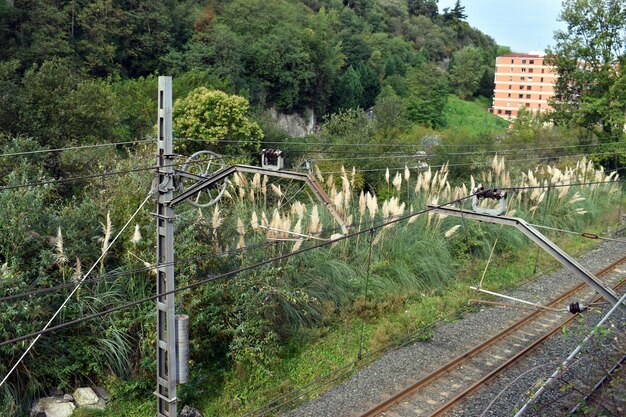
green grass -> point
(472, 115)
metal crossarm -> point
(545, 243)
(222, 174)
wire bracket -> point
(491, 194)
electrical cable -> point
(345, 370)
(583, 234)
(116, 275)
(73, 148)
(226, 274)
(443, 154)
(139, 270)
(147, 168)
(399, 145)
(101, 175)
(71, 294)
(469, 163)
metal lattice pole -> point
(166, 330)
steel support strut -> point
(545, 243)
(223, 173)
(166, 330)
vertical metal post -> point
(166, 327)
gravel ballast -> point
(398, 368)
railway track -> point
(439, 391)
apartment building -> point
(522, 81)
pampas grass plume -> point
(136, 235)
(452, 230)
(60, 250)
(216, 219)
(254, 221)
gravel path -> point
(398, 368)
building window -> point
(530, 79)
(529, 87)
(541, 79)
(531, 62)
(511, 78)
(540, 97)
(530, 70)
(520, 104)
(509, 86)
(523, 61)
(521, 96)
(507, 112)
(508, 104)
(512, 61)
(539, 105)
(509, 95)
(541, 87)
(511, 69)
(542, 70)
(527, 104)
(521, 87)
(528, 96)
(523, 69)
(522, 78)
(499, 111)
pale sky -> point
(524, 25)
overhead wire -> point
(229, 157)
(399, 145)
(139, 270)
(115, 275)
(395, 156)
(102, 174)
(582, 234)
(483, 152)
(74, 148)
(347, 369)
(227, 274)
(456, 164)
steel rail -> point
(391, 401)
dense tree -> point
(389, 115)
(455, 18)
(589, 56)
(466, 71)
(214, 116)
(69, 109)
(428, 90)
(348, 92)
(105, 36)
(426, 8)
(456, 14)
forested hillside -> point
(383, 79)
(291, 55)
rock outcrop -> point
(53, 407)
(190, 412)
(63, 405)
(294, 124)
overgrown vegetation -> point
(378, 73)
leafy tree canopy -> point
(589, 56)
(426, 8)
(213, 116)
(466, 71)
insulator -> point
(274, 153)
(491, 193)
(576, 307)
(182, 348)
